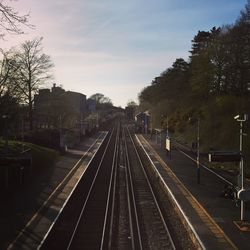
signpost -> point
(168, 146)
(224, 156)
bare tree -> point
(10, 20)
(34, 71)
(8, 69)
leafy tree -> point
(176, 79)
(245, 14)
(132, 103)
(169, 85)
(200, 43)
(202, 68)
(240, 51)
(219, 61)
(147, 95)
(101, 100)
(212, 85)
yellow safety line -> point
(214, 227)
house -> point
(91, 104)
(59, 109)
(130, 112)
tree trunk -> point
(30, 116)
(30, 111)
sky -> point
(117, 47)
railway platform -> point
(212, 216)
(48, 195)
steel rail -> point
(73, 191)
(152, 191)
(172, 196)
(131, 195)
(89, 192)
(66, 179)
(111, 197)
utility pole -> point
(60, 132)
(6, 144)
(167, 126)
(198, 150)
(241, 120)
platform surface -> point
(213, 216)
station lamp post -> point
(167, 128)
(5, 118)
(161, 137)
(162, 119)
(198, 149)
(241, 119)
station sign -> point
(168, 144)
(224, 156)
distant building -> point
(142, 120)
(78, 102)
(130, 112)
(57, 108)
(91, 104)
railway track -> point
(38, 223)
(84, 220)
(115, 206)
(114, 185)
(147, 225)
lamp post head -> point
(236, 117)
(241, 118)
(248, 86)
(5, 116)
(192, 119)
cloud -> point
(116, 46)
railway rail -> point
(148, 227)
(119, 202)
(55, 199)
(90, 219)
(83, 221)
